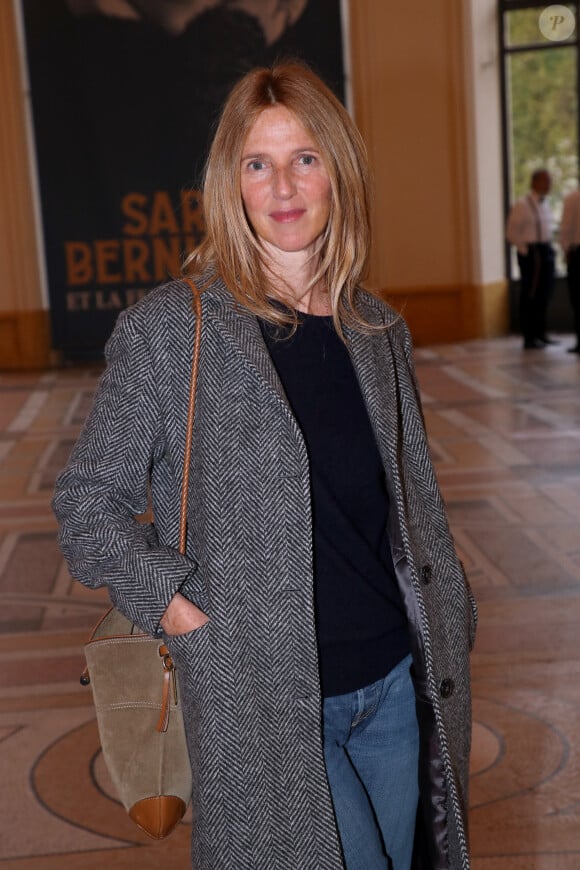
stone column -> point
(24, 320)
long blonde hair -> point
(230, 248)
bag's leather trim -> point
(158, 815)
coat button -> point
(426, 574)
(446, 688)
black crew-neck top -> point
(361, 624)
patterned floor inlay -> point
(505, 434)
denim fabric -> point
(371, 749)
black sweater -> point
(361, 624)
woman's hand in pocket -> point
(182, 616)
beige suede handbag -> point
(135, 691)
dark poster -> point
(124, 97)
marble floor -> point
(505, 433)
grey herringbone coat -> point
(249, 677)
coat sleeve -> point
(106, 484)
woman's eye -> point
(255, 165)
(307, 159)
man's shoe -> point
(574, 349)
(545, 340)
(534, 344)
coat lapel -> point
(240, 328)
(375, 365)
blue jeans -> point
(371, 750)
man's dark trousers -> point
(537, 281)
(574, 287)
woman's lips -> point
(287, 217)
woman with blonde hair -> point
(321, 622)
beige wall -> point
(414, 77)
(426, 96)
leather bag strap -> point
(196, 306)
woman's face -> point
(285, 186)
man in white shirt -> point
(570, 244)
(529, 229)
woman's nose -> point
(284, 186)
